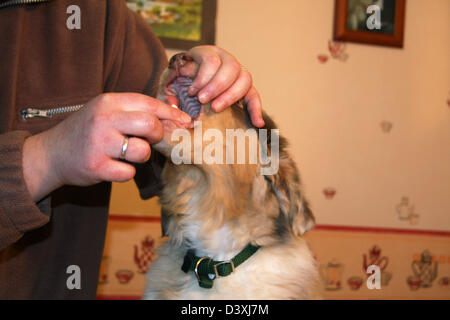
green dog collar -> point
(203, 267)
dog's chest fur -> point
(218, 209)
(285, 271)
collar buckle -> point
(198, 263)
(230, 262)
(206, 271)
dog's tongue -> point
(185, 103)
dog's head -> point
(213, 177)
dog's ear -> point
(295, 214)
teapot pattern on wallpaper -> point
(144, 254)
(337, 51)
(414, 263)
(406, 211)
(406, 269)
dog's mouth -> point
(176, 91)
(173, 90)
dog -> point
(233, 233)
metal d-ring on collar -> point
(197, 264)
(215, 268)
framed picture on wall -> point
(377, 22)
(180, 24)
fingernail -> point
(192, 91)
(217, 105)
(203, 97)
(185, 118)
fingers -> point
(138, 123)
(116, 171)
(218, 71)
(140, 102)
(97, 134)
(221, 77)
(234, 93)
(254, 106)
(209, 62)
(137, 150)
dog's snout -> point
(179, 60)
(173, 61)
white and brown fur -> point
(218, 209)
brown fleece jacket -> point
(43, 64)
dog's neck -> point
(220, 244)
(211, 213)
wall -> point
(370, 133)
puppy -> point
(234, 233)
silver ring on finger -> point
(123, 151)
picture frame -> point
(179, 24)
(352, 19)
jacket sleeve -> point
(138, 62)
(18, 212)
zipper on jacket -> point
(48, 113)
(20, 2)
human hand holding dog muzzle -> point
(220, 79)
(85, 148)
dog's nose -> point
(179, 60)
(173, 60)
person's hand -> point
(221, 79)
(85, 148)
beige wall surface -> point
(332, 113)
(342, 255)
(370, 132)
